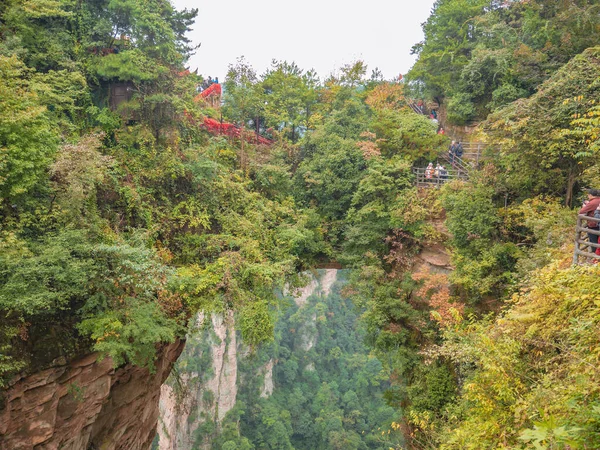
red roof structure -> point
(225, 128)
(215, 127)
(213, 89)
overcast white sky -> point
(318, 34)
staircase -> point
(416, 108)
(457, 168)
(473, 151)
(461, 167)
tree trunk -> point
(242, 155)
(257, 129)
(571, 180)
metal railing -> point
(423, 180)
(473, 151)
(419, 109)
(458, 164)
(582, 246)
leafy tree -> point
(289, 97)
(505, 401)
(450, 37)
(373, 204)
(541, 154)
(401, 132)
(124, 234)
(480, 55)
(26, 136)
(331, 177)
(353, 74)
(243, 99)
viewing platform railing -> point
(473, 151)
(421, 179)
(582, 246)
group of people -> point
(208, 81)
(433, 116)
(438, 172)
(591, 208)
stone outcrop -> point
(327, 281)
(307, 332)
(324, 282)
(301, 295)
(268, 386)
(434, 257)
(202, 400)
(85, 403)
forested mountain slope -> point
(480, 55)
(119, 221)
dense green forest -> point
(327, 395)
(327, 390)
(480, 55)
(119, 224)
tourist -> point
(458, 149)
(451, 152)
(429, 171)
(589, 209)
(443, 173)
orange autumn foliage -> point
(368, 146)
(386, 96)
(435, 287)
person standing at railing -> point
(429, 171)
(443, 173)
(452, 152)
(589, 209)
(458, 150)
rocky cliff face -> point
(434, 257)
(307, 334)
(85, 404)
(200, 399)
(268, 386)
(193, 406)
